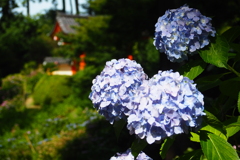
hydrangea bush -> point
(182, 31)
(170, 103)
(128, 156)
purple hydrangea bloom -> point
(182, 31)
(166, 105)
(128, 156)
(113, 88)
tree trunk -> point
(63, 6)
(77, 7)
(6, 11)
(28, 8)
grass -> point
(39, 133)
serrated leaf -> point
(216, 53)
(192, 69)
(214, 124)
(165, 147)
(137, 146)
(194, 137)
(214, 131)
(214, 147)
(237, 124)
(232, 33)
(118, 126)
(238, 102)
(208, 82)
(230, 87)
(194, 155)
(232, 126)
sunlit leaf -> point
(165, 147)
(194, 137)
(214, 125)
(192, 69)
(232, 126)
(214, 147)
(216, 53)
(214, 131)
(239, 102)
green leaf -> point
(238, 102)
(118, 126)
(216, 53)
(232, 126)
(214, 125)
(214, 131)
(236, 47)
(232, 33)
(237, 124)
(208, 82)
(230, 87)
(165, 146)
(216, 148)
(194, 155)
(193, 69)
(194, 137)
(137, 146)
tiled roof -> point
(67, 22)
(58, 60)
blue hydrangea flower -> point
(182, 31)
(128, 156)
(166, 105)
(113, 88)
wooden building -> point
(65, 24)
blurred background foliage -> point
(51, 117)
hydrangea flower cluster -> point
(166, 105)
(113, 88)
(128, 156)
(163, 106)
(182, 31)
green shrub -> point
(12, 85)
(51, 89)
(31, 82)
(81, 85)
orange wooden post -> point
(130, 57)
(82, 63)
(74, 67)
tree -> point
(6, 9)
(64, 6)
(28, 8)
(77, 5)
(23, 40)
